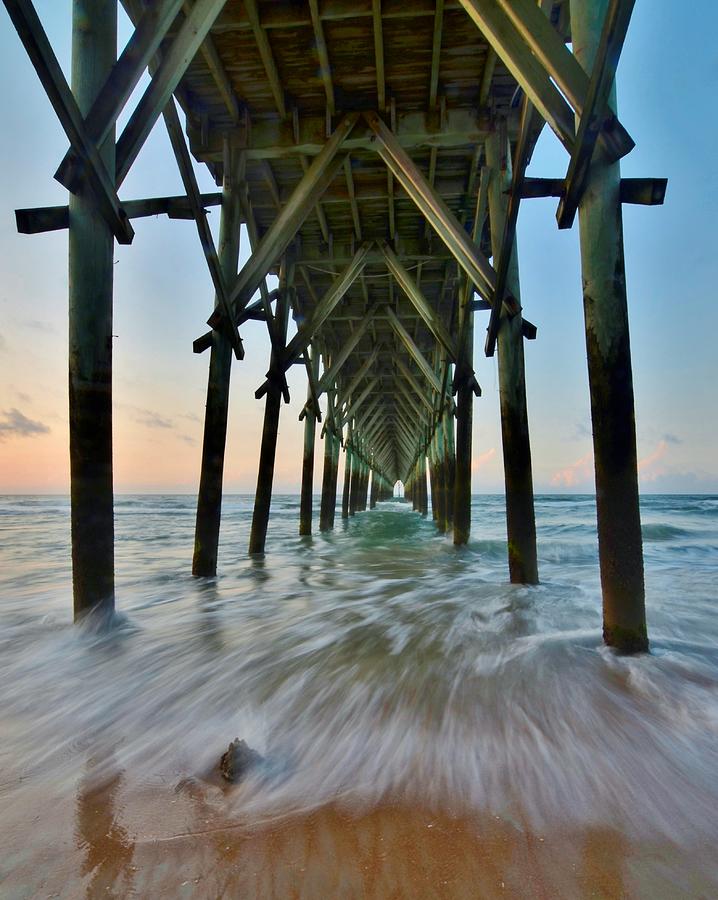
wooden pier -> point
(375, 152)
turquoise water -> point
(377, 661)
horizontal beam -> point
(54, 218)
(460, 127)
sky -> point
(666, 83)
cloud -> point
(15, 424)
(39, 325)
(193, 417)
(151, 419)
(581, 431)
(482, 459)
(672, 439)
(3, 343)
(650, 467)
(575, 473)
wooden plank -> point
(265, 52)
(290, 218)
(435, 53)
(166, 78)
(615, 27)
(379, 54)
(325, 68)
(513, 51)
(218, 72)
(352, 196)
(31, 33)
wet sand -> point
(178, 838)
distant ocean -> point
(373, 665)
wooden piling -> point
(336, 448)
(464, 421)
(374, 491)
(329, 497)
(209, 500)
(347, 478)
(267, 454)
(520, 518)
(610, 376)
(450, 467)
(94, 44)
(305, 502)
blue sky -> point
(666, 89)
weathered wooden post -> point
(610, 376)
(464, 422)
(267, 453)
(310, 422)
(347, 474)
(94, 51)
(374, 491)
(520, 519)
(209, 500)
(450, 467)
(441, 484)
(336, 447)
(329, 497)
(424, 503)
(354, 482)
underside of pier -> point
(375, 151)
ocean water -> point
(376, 668)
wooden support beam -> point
(518, 478)
(326, 305)
(94, 42)
(347, 474)
(513, 51)
(265, 52)
(409, 376)
(290, 219)
(461, 127)
(56, 218)
(610, 376)
(419, 301)
(487, 76)
(361, 372)
(613, 34)
(532, 23)
(151, 30)
(218, 72)
(528, 134)
(29, 28)
(433, 207)
(209, 501)
(435, 54)
(339, 359)
(189, 180)
(414, 351)
(379, 53)
(268, 450)
(305, 500)
(325, 68)
(329, 488)
(352, 196)
(643, 191)
(356, 402)
(165, 79)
